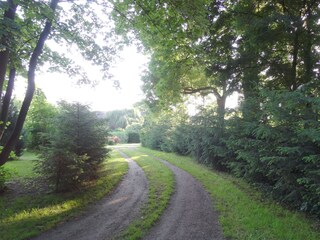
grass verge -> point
(244, 214)
(27, 216)
(161, 186)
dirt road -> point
(190, 215)
(109, 216)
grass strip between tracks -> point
(161, 186)
(244, 213)
(22, 216)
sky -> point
(102, 97)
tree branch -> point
(189, 90)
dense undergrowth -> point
(244, 213)
(276, 147)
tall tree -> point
(23, 49)
(39, 121)
(31, 85)
(277, 46)
(192, 49)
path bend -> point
(109, 216)
(190, 215)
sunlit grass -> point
(23, 166)
(244, 214)
(27, 216)
(161, 185)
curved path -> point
(189, 215)
(106, 218)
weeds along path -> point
(109, 216)
(189, 215)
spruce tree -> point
(76, 147)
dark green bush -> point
(4, 174)
(133, 137)
(280, 153)
(276, 148)
(76, 148)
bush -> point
(276, 147)
(133, 137)
(121, 135)
(4, 174)
(157, 137)
(280, 152)
(76, 148)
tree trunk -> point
(8, 147)
(308, 62)
(9, 15)
(293, 80)
(6, 101)
(221, 101)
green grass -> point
(161, 185)
(22, 167)
(244, 214)
(27, 216)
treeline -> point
(279, 153)
(269, 53)
(124, 125)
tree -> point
(266, 50)
(157, 130)
(192, 48)
(121, 119)
(9, 16)
(125, 125)
(23, 49)
(76, 147)
(39, 121)
(13, 112)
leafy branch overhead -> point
(266, 51)
(32, 34)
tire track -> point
(109, 216)
(190, 214)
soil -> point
(109, 216)
(190, 214)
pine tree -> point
(76, 149)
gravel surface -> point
(106, 218)
(190, 215)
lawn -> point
(22, 217)
(244, 213)
(23, 166)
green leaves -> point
(269, 52)
(75, 148)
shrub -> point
(121, 135)
(76, 148)
(4, 174)
(133, 137)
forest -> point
(203, 53)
